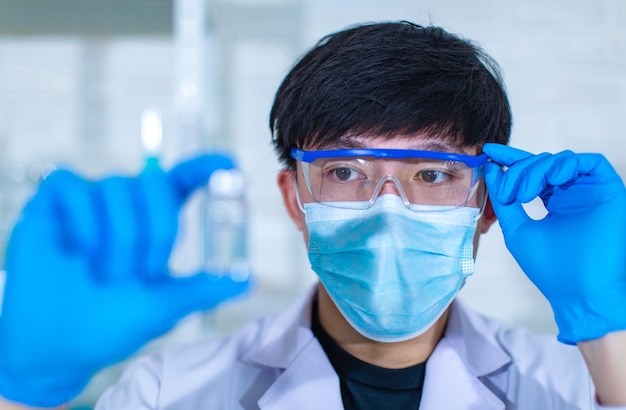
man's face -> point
(292, 184)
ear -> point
(488, 217)
(287, 184)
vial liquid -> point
(225, 226)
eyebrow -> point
(427, 145)
(344, 143)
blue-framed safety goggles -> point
(354, 178)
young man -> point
(386, 131)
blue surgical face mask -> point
(391, 271)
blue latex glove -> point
(576, 255)
(87, 278)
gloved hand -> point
(87, 278)
(576, 255)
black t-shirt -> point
(365, 386)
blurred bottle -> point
(226, 225)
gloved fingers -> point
(510, 215)
(588, 163)
(175, 298)
(598, 167)
(159, 197)
(501, 154)
(565, 168)
(162, 196)
(561, 172)
(64, 203)
(518, 180)
(538, 175)
(158, 219)
(504, 154)
(190, 175)
(118, 216)
(530, 177)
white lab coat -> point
(277, 363)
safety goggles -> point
(354, 178)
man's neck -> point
(388, 355)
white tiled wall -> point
(77, 101)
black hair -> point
(388, 79)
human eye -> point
(437, 173)
(343, 172)
(433, 176)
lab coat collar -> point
(289, 344)
(309, 382)
(466, 355)
(287, 335)
(461, 363)
(469, 335)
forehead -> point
(413, 142)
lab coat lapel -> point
(308, 380)
(308, 383)
(466, 355)
(450, 385)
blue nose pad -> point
(381, 185)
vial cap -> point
(226, 182)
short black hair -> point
(387, 79)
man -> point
(386, 131)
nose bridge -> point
(389, 184)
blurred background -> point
(76, 76)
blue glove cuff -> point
(39, 391)
(578, 323)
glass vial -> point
(226, 225)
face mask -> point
(391, 271)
